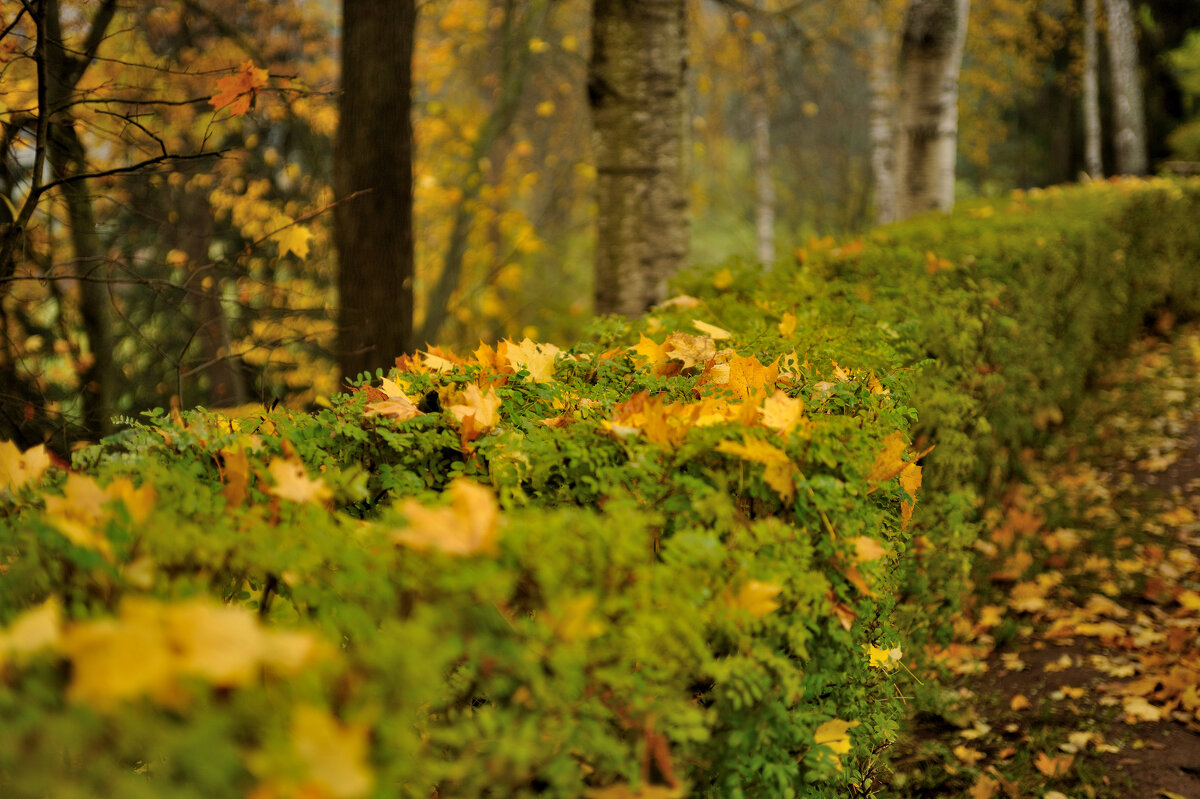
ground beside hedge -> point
(691, 555)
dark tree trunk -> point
(373, 155)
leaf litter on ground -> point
(1075, 668)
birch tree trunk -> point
(935, 33)
(373, 155)
(636, 91)
(1091, 94)
(881, 82)
(764, 183)
(1129, 117)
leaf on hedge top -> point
(396, 406)
(834, 735)
(756, 597)
(79, 514)
(335, 753)
(648, 349)
(780, 473)
(867, 549)
(749, 379)
(468, 527)
(537, 359)
(33, 631)
(787, 324)
(478, 410)
(237, 90)
(781, 412)
(885, 659)
(890, 461)
(292, 482)
(690, 350)
(18, 468)
(712, 331)
(138, 501)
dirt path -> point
(1077, 662)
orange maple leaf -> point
(237, 91)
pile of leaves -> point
(685, 556)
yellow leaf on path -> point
(334, 753)
(835, 735)
(984, 788)
(1053, 766)
(293, 483)
(1178, 516)
(18, 468)
(537, 359)
(714, 332)
(968, 755)
(1019, 702)
(1137, 709)
(468, 527)
(780, 473)
(757, 598)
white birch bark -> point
(881, 82)
(1129, 117)
(1091, 95)
(636, 91)
(764, 216)
(935, 33)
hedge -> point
(691, 555)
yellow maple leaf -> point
(885, 659)
(689, 350)
(868, 549)
(293, 483)
(781, 412)
(32, 631)
(18, 468)
(780, 471)
(237, 91)
(118, 659)
(220, 644)
(482, 408)
(1053, 766)
(712, 331)
(889, 462)
(397, 405)
(967, 755)
(835, 736)
(748, 378)
(470, 526)
(1137, 708)
(787, 324)
(648, 349)
(79, 514)
(334, 753)
(293, 238)
(537, 359)
(756, 597)
(137, 501)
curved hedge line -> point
(681, 558)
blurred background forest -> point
(182, 249)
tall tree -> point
(373, 181)
(636, 90)
(930, 58)
(881, 82)
(1091, 94)
(1129, 116)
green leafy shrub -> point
(681, 557)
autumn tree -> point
(373, 182)
(636, 90)
(1129, 116)
(930, 58)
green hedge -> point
(662, 562)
